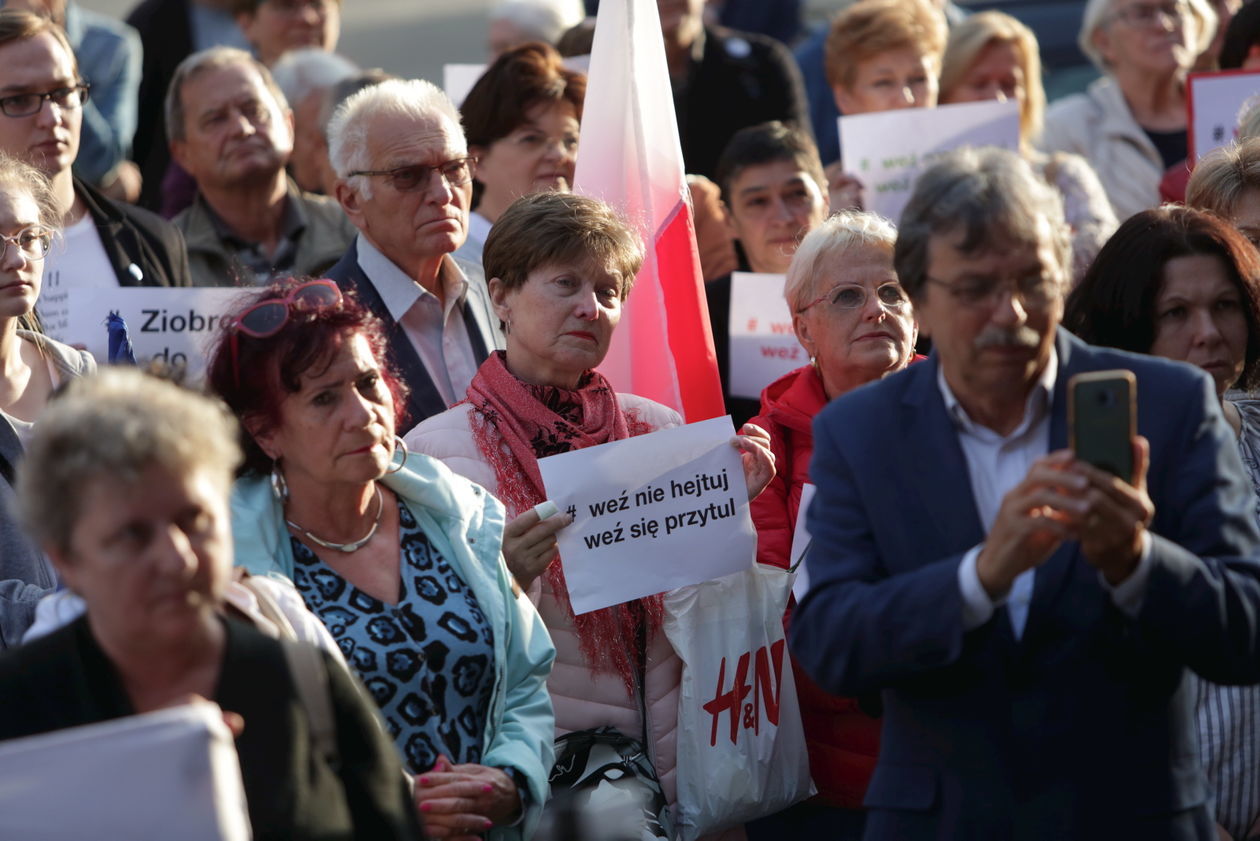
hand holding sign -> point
(656, 512)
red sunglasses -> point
(267, 318)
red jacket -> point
(843, 741)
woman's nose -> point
(174, 550)
(1205, 330)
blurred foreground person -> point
(1027, 617)
(125, 485)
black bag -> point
(605, 775)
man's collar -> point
(399, 290)
(1036, 406)
(291, 225)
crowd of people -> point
(343, 537)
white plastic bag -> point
(741, 747)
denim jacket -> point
(109, 56)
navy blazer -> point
(424, 400)
(1081, 729)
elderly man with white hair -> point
(404, 177)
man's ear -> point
(350, 201)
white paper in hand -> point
(152, 777)
(652, 513)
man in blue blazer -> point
(1028, 619)
(404, 178)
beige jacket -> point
(1098, 126)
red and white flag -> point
(631, 158)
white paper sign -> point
(458, 80)
(887, 150)
(762, 346)
(652, 513)
(800, 543)
(1217, 101)
(175, 324)
(167, 774)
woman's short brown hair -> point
(870, 27)
(555, 229)
(517, 81)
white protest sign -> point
(458, 80)
(651, 513)
(1216, 102)
(174, 324)
(800, 543)
(886, 151)
(762, 346)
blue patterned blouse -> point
(428, 660)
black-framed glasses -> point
(26, 104)
(407, 179)
(853, 296)
(32, 243)
(1035, 291)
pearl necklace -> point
(353, 546)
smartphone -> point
(1102, 412)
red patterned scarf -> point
(514, 425)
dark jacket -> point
(741, 80)
(165, 28)
(1081, 728)
(424, 400)
(143, 248)
(65, 679)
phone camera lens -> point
(1106, 399)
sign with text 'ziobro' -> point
(763, 346)
(887, 150)
(174, 325)
(651, 513)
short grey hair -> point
(988, 195)
(301, 72)
(1098, 12)
(115, 425)
(544, 20)
(202, 62)
(348, 130)
(838, 235)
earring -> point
(399, 444)
(279, 487)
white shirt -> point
(996, 464)
(77, 260)
(436, 328)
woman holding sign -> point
(31, 367)
(852, 316)
(560, 266)
(398, 556)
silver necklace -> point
(346, 547)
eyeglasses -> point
(1146, 14)
(26, 104)
(1035, 291)
(267, 318)
(852, 296)
(408, 179)
(32, 243)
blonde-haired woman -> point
(991, 55)
(1131, 124)
(1227, 182)
(881, 55)
(31, 367)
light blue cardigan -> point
(465, 524)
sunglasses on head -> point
(267, 318)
